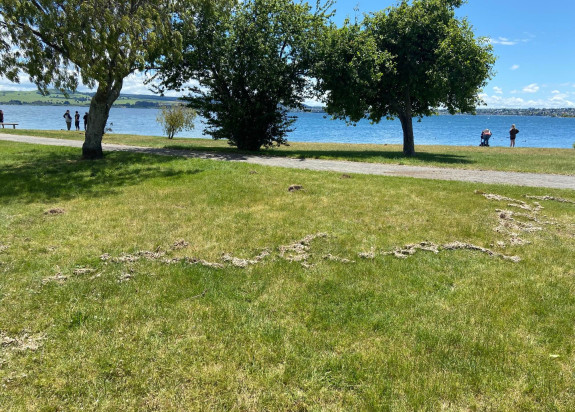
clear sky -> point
(534, 42)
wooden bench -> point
(9, 124)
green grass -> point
(535, 160)
(456, 330)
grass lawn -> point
(143, 282)
(518, 159)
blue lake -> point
(461, 130)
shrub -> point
(176, 118)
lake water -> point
(461, 130)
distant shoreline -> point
(136, 101)
(562, 112)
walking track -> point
(421, 172)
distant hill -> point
(56, 98)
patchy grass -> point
(518, 159)
(144, 282)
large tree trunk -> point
(97, 117)
(407, 126)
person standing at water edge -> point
(85, 121)
(1, 116)
(77, 120)
(512, 133)
(485, 135)
(68, 119)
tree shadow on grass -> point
(42, 176)
(372, 156)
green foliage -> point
(251, 60)
(99, 42)
(110, 40)
(176, 118)
(405, 61)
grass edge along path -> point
(519, 159)
(425, 172)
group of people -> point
(68, 118)
(486, 134)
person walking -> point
(512, 133)
(68, 119)
(77, 121)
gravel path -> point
(438, 173)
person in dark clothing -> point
(85, 121)
(77, 120)
(1, 116)
(512, 133)
(485, 135)
(68, 119)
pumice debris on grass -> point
(82, 271)
(333, 258)
(294, 188)
(411, 249)
(130, 258)
(492, 196)
(24, 341)
(556, 199)
(58, 277)
(237, 262)
(55, 211)
(367, 255)
(468, 246)
(298, 251)
(180, 244)
(243, 263)
(201, 262)
(125, 277)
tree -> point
(251, 60)
(176, 118)
(405, 61)
(97, 42)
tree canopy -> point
(98, 43)
(405, 61)
(251, 60)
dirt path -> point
(421, 172)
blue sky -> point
(534, 43)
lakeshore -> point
(459, 130)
